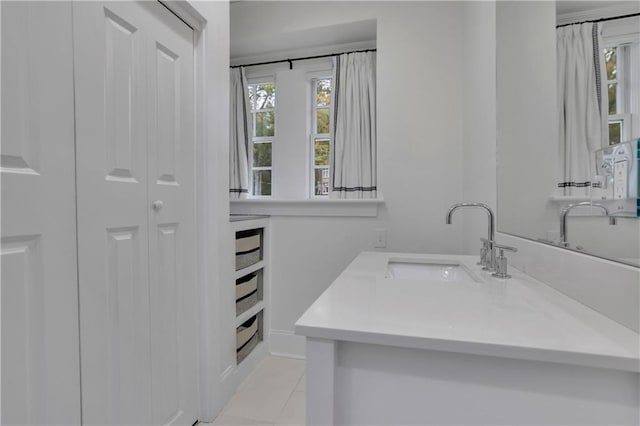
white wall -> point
(479, 118)
(426, 87)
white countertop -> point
(514, 318)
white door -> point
(136, 215)
(40, 352)
(171, 182)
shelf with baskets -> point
(250, 280)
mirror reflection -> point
(568, 100)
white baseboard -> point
(285, 343)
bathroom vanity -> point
(434, 339)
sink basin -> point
(429, 270)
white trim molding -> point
(286, 343)
(211, 40)
(187, 13)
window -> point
(262, 100)
(321, 135)
(299, 165)
(617, 61)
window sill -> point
(312, 207)
(569, 198)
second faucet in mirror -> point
(565, 213)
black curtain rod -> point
(301, 59)
(600, 20)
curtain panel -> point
(239, 135)
(582, 104)
(354, 139)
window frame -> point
(628, 84)
(315, 136)
(261, 139)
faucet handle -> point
(502, 248)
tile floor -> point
(273, 394)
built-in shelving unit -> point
(250, 281)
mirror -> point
(532, 140)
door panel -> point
(124, 297)
(167, 115)
(110, 69)
(21, 143)
(23, 286)
(165, 324)
(121, 46)
(40, 348)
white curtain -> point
(240, 135)
(354, 139)
(582, 104)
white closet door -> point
(111, 131)
(172, 256)
(40, 352)
(134, 96)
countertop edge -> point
(472, 348)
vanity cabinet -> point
(251, 273)
(430, 351)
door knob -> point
(157, 205)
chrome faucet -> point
(487, 254)
(565, 213)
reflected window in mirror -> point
(619, 75)
(621, 42)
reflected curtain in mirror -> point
(582, 104)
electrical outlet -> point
(380, 238)
(620, 179)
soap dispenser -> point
(501, 261)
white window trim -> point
(313, 78)
(260, 139)
(313, 167)
(626, 120)
(618, 34)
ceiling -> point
(251, 38)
